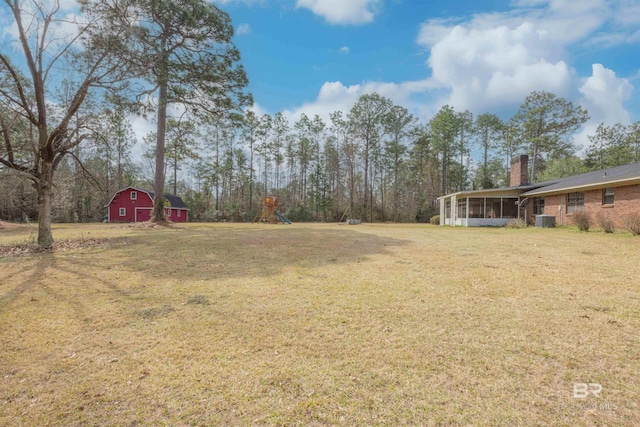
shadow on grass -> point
(211, 253)
(202, 253)
(41, 274)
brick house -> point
(134, 205)
(612, 193)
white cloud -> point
(627, 12)
(257, 109)
(141, 127)
(335, 96)
(355, 12)
(243, 29)
(604, 95)
(491, 62)
(608, 40)
(345, 50)
(248, 2)
(568, 21)
(624, 28)
(497, 59)
(61, 30)
(484, 67)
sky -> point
(319, 56)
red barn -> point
(134, 205)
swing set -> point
(270, 213)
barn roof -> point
(175, 201)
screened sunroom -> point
(480, 208)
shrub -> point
(633, 224)
(582, 220)
(299, 213)
(425, 213)
(517, 223)
(606, 224)
(435, 220)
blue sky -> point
(318, 56)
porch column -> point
(454, 211)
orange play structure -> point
(270, 212)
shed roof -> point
(176, 201)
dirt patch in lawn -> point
(11, 226)
(26, 249)
(148, 224)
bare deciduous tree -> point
(50, 41)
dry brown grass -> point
(234, 324)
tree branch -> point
(23, 103)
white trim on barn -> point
(135, 213)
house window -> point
(123, 212)
(575, 202)
(179, 213)
(538, 205)
(607, 196)
(134, 195)
(169, 212)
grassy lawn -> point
(239, 324)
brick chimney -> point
(519, 171)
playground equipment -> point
(350, 220)
(270, 212)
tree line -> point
(376, 162)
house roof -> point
(175, 201)
(620, 175)
(507, 191)
(627, 174)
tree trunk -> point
(157, 214)
(485, 143)
(120, 171)
(44, 188)
(251, 176)
(337, 177)
(217, 168)
(534, 163)
(366, 177)
(266, 188)
(175, 174)
(444, 173)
